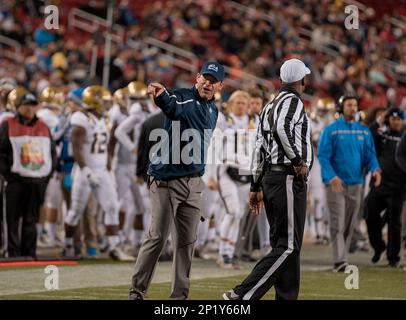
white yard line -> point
(337, 296)
(100, 275)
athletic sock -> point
(121, 236)
(211, 234)
(40, 228)
(230, 248)
(113, 241)
(68, 242)
(51, 229)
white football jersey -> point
(97, 137)
(115, 115)
(238, 138)
(5, 115)
(50, 119)
(138, 114)
(316, 127)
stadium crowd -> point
(55, 67)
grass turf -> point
(374, 283)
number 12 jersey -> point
(97, 136)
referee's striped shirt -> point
(283, 135)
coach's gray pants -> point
(343, 207)
(180, 201)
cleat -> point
(394, 264)
(135, 295)
(378, 255)
(92, 253)
(340, 267)
(225, 262)
(118, 255)
(236, 263)
(70, 253)
(231, 295)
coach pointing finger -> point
(175, 187)
(155, 89)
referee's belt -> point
(288, 169)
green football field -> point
(110, 280)
(375, 284)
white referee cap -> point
(293, 70)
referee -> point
(282, 157)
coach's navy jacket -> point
(173, 156)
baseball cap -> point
(28, 99)
(213, 68)
(293, 70)
(395, 112)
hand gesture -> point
(302, 171)
(212, 184)
(377, 176)
(155, 89)
(139, 180)
(256, 202)
(336, 185)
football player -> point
(12, 96)
(233, 185)
(127, 133)
(90, 135)
(52, 100)
(320, 117)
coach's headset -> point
(343, 98)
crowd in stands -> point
(370, 60)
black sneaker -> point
(71, 253)
(248, 258)
(135, 295)
(393, 264)
(236, 263)
(340, 267)
(231, 295)
(378, 255)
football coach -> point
(175, 186)
(282, 158)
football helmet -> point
(137, 90)
(120, 97)
(14, 98)
(7, 84)
(53, 97)
(97, 98)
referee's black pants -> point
(391, 199)
(285, 206)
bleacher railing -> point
(306, 34)
(10, 48)
(91, 23)
(177, 56)
(238, 79)
(189, 62)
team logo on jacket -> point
(31, 155)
